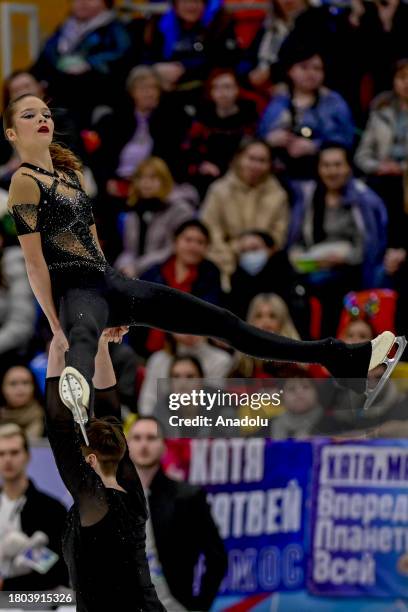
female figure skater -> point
(104, 537)
(81, 294)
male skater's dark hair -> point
(107, 442)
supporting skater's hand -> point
(59, 341)
(114, 334)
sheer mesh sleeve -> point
(80, 479)
(107, 403)
(23, 203)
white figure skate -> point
(381, 346)
(74, 393)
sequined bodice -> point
(63, 217)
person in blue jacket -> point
(343, 216)
(88, 53)
(303, 114)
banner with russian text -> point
(258, 491)
(359, 542)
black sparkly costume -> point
(104, 536)
(91, 295)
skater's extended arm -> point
(24, 198)
(80, 479)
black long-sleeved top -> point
(104, 537)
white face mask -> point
(253, 261)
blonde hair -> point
(9, 430)
(279, 308)
(161, 170)
(142, 73)
(245, 365)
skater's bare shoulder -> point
(23, 189)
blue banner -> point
(360, 520)
(311, 525)
(258, 492)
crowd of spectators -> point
(266, 174)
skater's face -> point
(299, 396)
(18, 387)
(357, 331)
(401, 83)
(224, 91)
(33, 126)
(13, 457)
(265, 318)
(24, 83)
(83, 10)
(191, 246)
(146, 94)
(334, 169)
(146, 445)
(149, 184)
(307, 76)
(254, 164)
(190, 11)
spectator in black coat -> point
(186, 269)
(223, 120)
(24, 509)
(263, 268)
(180, 528)
(148, 124)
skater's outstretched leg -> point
(137, 302)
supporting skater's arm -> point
(107, 403)
(80, 479)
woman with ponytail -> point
(81, 294)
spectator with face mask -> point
(262, 268)
(180, 527)
(25, 511)
(247, 197)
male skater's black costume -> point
(104, 538)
